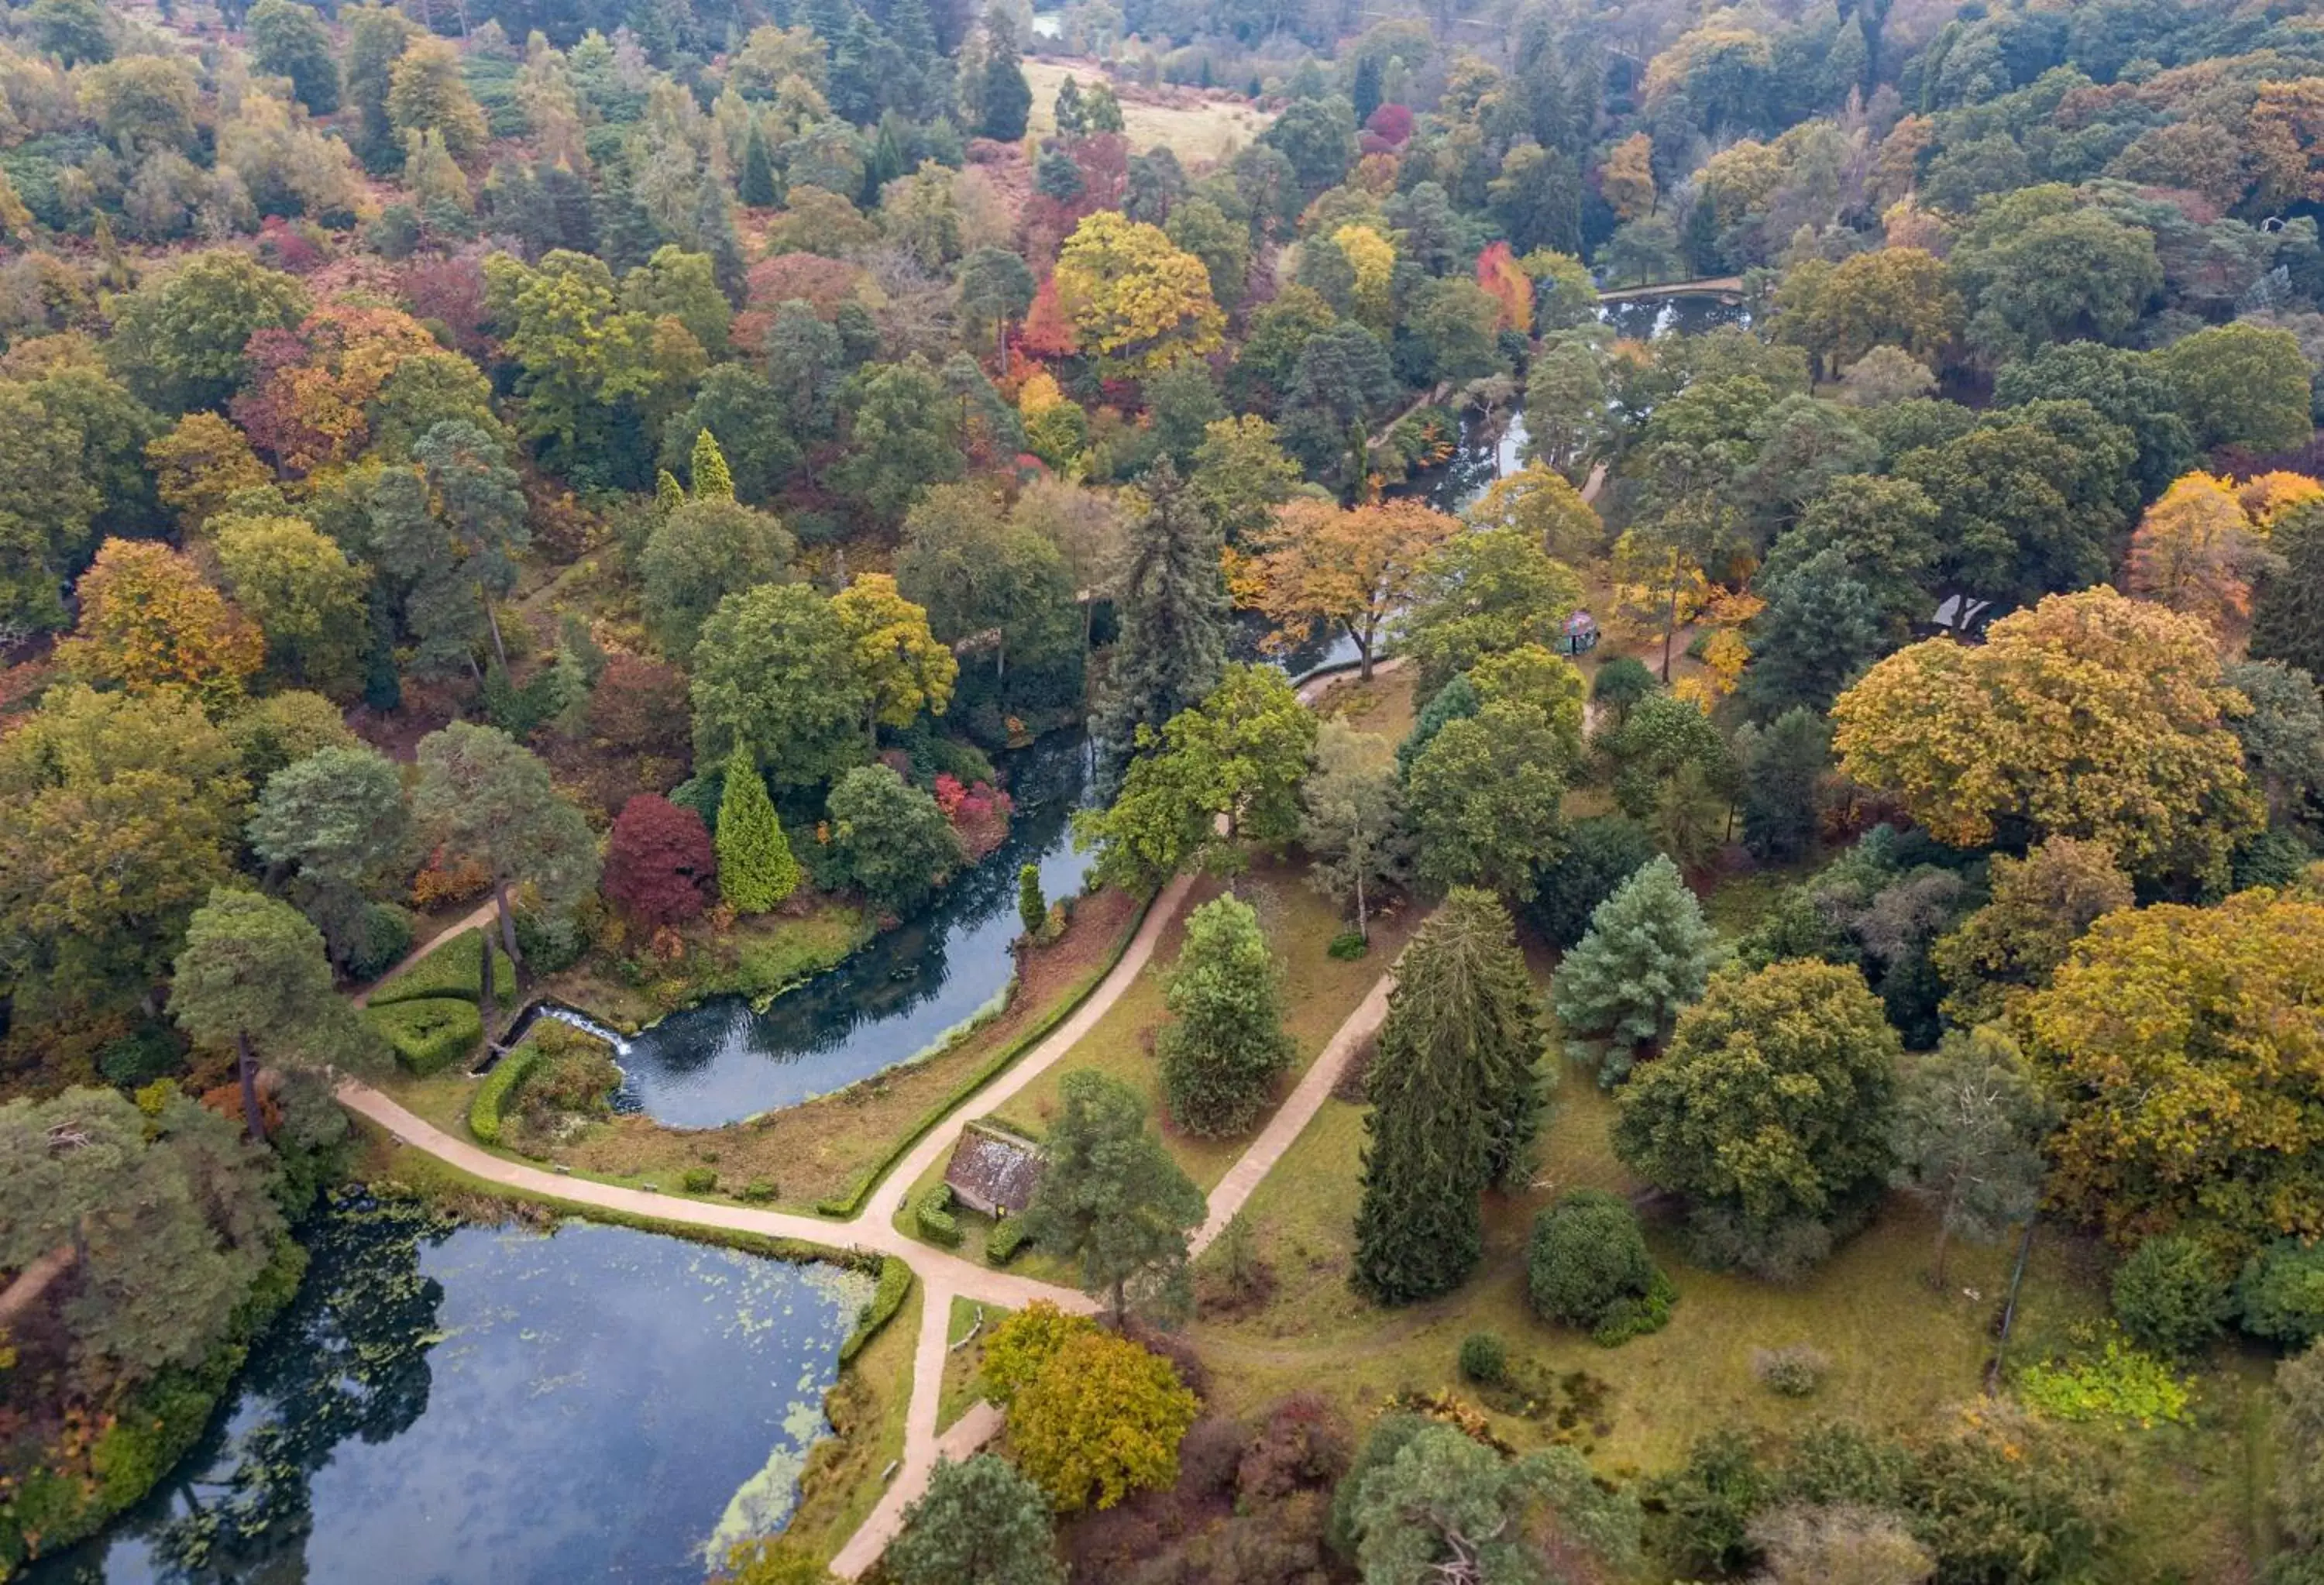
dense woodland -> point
(633, 467)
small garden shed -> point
(1581, 635)
(993, 1170)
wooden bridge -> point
(1727, 289)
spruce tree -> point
(759, 189)
(1007, 99)
(1366, 91)
(1456, 1100)
(1221, 1053)
(1032, 907)
(1173, 607)
(756, 870)
(712, 480)
(1648, 954)
(668, 493)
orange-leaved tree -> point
(2092, 714)
(2196, 551)
(1355, 567)
(149, 620)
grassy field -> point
(1197, 132)
(758, 958)
(961, 1387)
(817, 1148)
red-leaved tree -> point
(658, 861)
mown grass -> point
(963, 1388)
(758, 958)
(1195, 133)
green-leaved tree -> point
(1226, 1044)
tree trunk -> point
(1120, 1303)
(1363, 925)
(508, 936)
(1000, 342)
(247, 1060)
(493, 623)
(1363, 638)
(1670, 628)
(1944, 1236)
(484, 989)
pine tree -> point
(1111, 1197)
(1221, 1053)
(1072, 121)
(712, 480)
(1172, 603)
(1648, 954)
(756, 870)
(668, 493)
(759, 189)
(1456, 1100)
(1032, 907)
(1366, 91)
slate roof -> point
(990, 1167)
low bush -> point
(1347, 946)
(1639, 1315)
(491, 1101)
(429, 1034)
(759, 1191)
(932, 1214)
(2169, 1296)
(1587, 1257)
(385, 937)
(1007, 1238)
(451, 968)
(1794, 1371)
(698, 1180)
(1484, 1358)
(895, 1285)
(2281, 1293)
(2119, 1385)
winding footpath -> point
(944, 1277)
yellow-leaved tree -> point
(902, 667)
(2196, 551)
(1102, 1418)
(149, 620)
(2091, 715)
(1353, 567)
(1133, 296)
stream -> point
(471, 1405)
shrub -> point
(2281, 1293)
(1794, 1371)
(2169, 1296)
(1347, 946)
(2121, 1385)
(430, 1035)
(1484, 1358)
(895, 1285)
(453, 967)
(384, 937)
(489, 1103)
(932, 1214)
(1006, 1238)
(1588, 1256)
(758, 1191)
(1639, 1315)
(698, 1180)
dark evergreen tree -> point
(1366, 89)
(1782, 764)
(1006, 98)
(1171, 604)
(1455, 1101)
(1225, 1043)
(1112, 1199)
(2288, 617)
(1821, 627)
(758, 189)
(1070, 115)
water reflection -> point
(466, 1405)
(1685, 314)
(721, 1062)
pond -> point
(1686, 313)
(721, 1062)
(469, 1406)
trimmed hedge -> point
(453, 967)
(849, 1201)
(895, 1286)
(428, 1035)
(492, 1097)
(1006, 1238)
(933, 1215)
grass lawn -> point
(1196, 131)
(1382, 705)
(759, 958)
(817, 1148)
(962, 1389)
(1319, 992)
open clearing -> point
(1198, 131)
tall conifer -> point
(756, 870)
(1173, 608)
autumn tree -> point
(1100, 1420)
(485, 798)
(1241, 476)
(1770, 1112)
(425, 94)
(200, 464)
(1968, 1128)
(1134, 298)
(756, 868)
(1455, 1101)
(2196, 552)
(2041, 905)
(1226, 772)
(658, 861)
(253, 978)
(2090, 715)
(1354, 566)
(183, 337)
(1113, 1199)
(903, 668)
(1225, 1043)
(2178, 1039)
(149, 620)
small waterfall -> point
(626, 1097)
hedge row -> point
(1006, 1238)
(895, 1286)
(493, 1095)
(431, 1034)
(454, 967)
(850, 1200)
(932, 1213)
